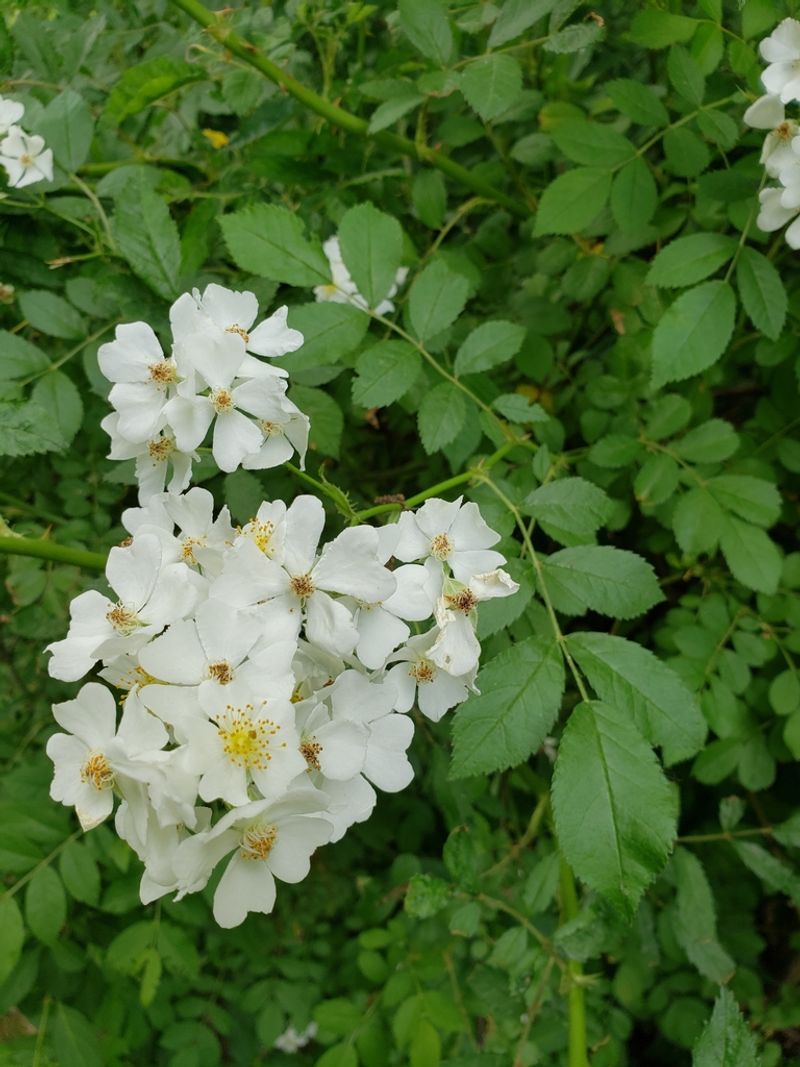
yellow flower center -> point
(162, 373)
(26, 159)
(246, 741)
(310, 749)
(302, 585)
(97, 771)
(271, 429)
(221, 401)
(123, 619)
(188, 545)
(221, 672)
(441, 546)
(257, 842)
(260, 533)
(160, 449)
(236, 328)
(422, 671)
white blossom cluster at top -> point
(23, 155)
(166, 404)
(265, 679)
(780, 204)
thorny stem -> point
(337, 116)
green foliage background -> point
(597, 345)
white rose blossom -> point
(25, 158)
(266, 673)
(343, 290)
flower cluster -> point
(23, 156)
(343, 290)
(164, 405)
(264, 681)
(780, 204)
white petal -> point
(765, 113)
(132, 572)
(305, 519)
(386, 765)
(349, 564)
(379, 634)
(273, 337)
(228, 308)
(176, 656)
(246, 885)
(344, 749)
(92, 716)
(297, 838)
(235, 436)
(330, 625)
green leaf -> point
(385, 372)
(441, 416)
(145, 84)
(25, 430)
(147, 237)
(520, 696)
(437, 298)
(45, 905)
(615, 812)
(773, 872)
(599, 578)
(391, 110)
(726, 1040)
(12, 936)
(630, 677)
(243, 494)
(516, 16)
(341, 1055)
(657, 480)
(698, 522)
(19, 358)
(489, 345)
(658, 29)
(51, 314)
(690, 259)
(754, 499)
(79, 873)
(696, 920)
(518, 408)
(693, 332)
(638, 102)
(269, 240)
(491, 84)
(686, 76)
(330, 331)
(425, 1049)
(570, 510)
(574, 38)
(372, 246)
(429, 197)
(686, 154)
(711, 442)
(327, 421)
(634, 196)
(59, 397)
(762, 292)
(426, 896)
(75, 1039)
(68, 127)
(425, 24)
(572, 201)
(592, 144)
(751, 556)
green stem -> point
(577, 1055)
(336, 115)
(40, 549)
(724, 835)
(15, 888)
(336, 495)
(440, 487)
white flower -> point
(217, 357)
(773, 215)
(201, 539)
(417, 677)
(335, 747)
(456, 649)
(768, 113)
(284, 427)
(94, 757)
(342, 289)
(10, 113)
(292, 1041)
(781, 50)
(150, 595)
(153, 460)
(451, 532)
(25, 158)
(142, 376)
(156, 846)
(269, 841)
(234, 313)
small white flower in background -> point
(343, 290)
(781, 50)
(159, 462)
(11, 111)
(292, 1040)
(25, 158)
